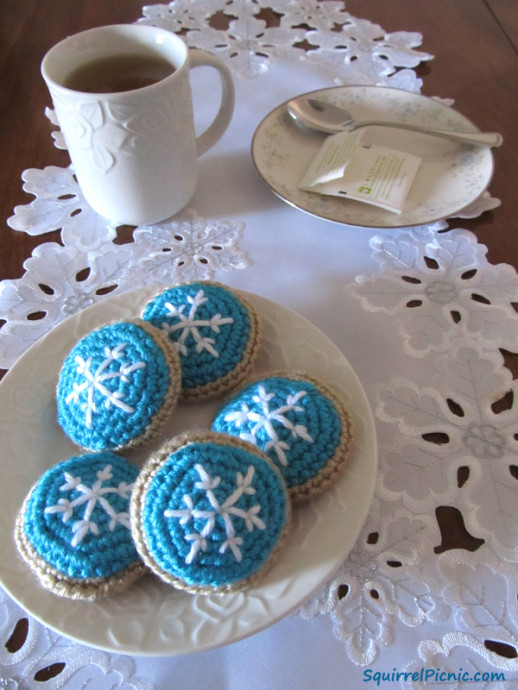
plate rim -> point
(379, 226)
(137, 296)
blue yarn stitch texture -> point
(230, 341)
(177, 478)
(144, 390)
(320, 417)
(102, 555)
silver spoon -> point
(325, 117)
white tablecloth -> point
(422, 318)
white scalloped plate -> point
(451, 176)
(151, 618)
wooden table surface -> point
(475, 44)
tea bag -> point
(347, 167)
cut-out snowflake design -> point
(95, 382)
(75, 665)
(57, 134)
(247, 45)
(189, 325)
(91, 496)
(317, 15)
(265, 418)
(362, 53)
(441, 288)
(187, 249)
(381, 581)
(484, 203)
(181, 15)
(457, 659)
(250, 42)
(226, 512)
(60, 205)
(54, 287)
(472, 435)
(482, 591)
(62, 280)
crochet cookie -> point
(209, 513)
(301, 425)
(73, 529)
(117, 386)
(215, 331)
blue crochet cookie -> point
(209, 513)
(215, 331)
(118, 386)
(301, 425)
(73, 529)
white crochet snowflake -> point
(96, 381)
(265, 418)
(92, 496)
(225, 512)
(189, 325)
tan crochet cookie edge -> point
(53, 580)
(149, 470)
(325, 478)
(234, 378)
(171, 398)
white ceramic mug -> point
(135, 152)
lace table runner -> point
(421, 315)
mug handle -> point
(215, 131)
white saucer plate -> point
(152, 618)
(450, 178)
